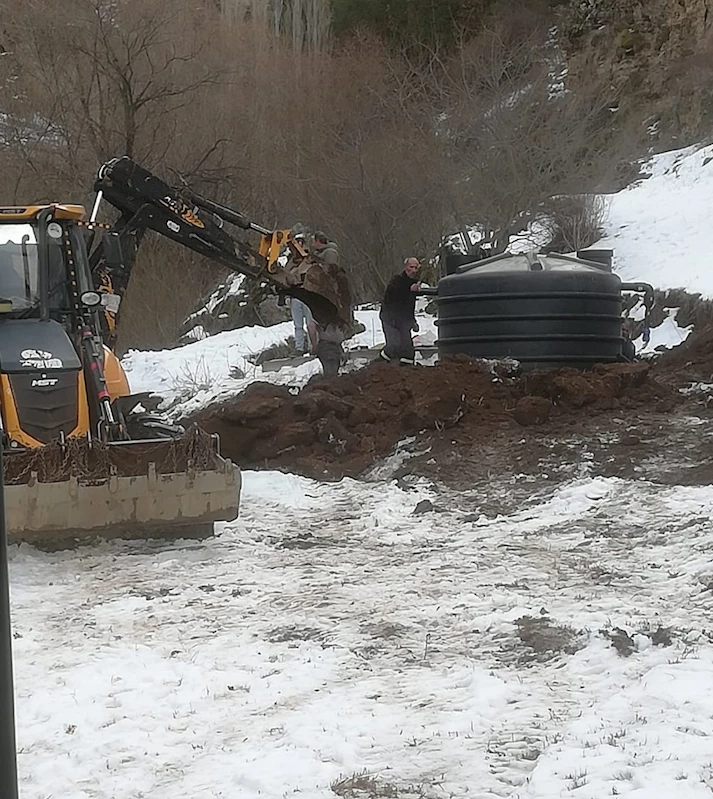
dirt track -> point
(470, 419)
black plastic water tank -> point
(553, 310)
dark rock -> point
(424, 506)
(532, 411)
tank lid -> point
(530, 262)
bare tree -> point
(113, 79)
(517, 134)
(245, 101)
(572, 222)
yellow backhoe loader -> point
(82, 455)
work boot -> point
(330, 356)
(330, 367)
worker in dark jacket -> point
(398, 314)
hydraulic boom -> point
(145, 202)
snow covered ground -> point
(331, 631)
(667, 335)
(660, 227)
(197, 374)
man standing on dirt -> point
(330, 336)
(398, 314)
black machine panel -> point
(47, 403)
(30, 345)
(43, 367)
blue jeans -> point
(301, 316)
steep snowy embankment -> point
(660, 227)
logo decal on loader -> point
(39, 359)
(184, 211)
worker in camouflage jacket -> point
(398, 314)
(329, 337)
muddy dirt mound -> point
(691, 361)
(341, 426)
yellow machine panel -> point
(116, 382)
(25, 212)
(11, 417)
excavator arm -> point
(145, 202)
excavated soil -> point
(462, 419)
(690, 362)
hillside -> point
(452, 580)
(656, 226)
(658, 54)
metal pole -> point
(95, 207)
(8, 744)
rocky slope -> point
(658, 53)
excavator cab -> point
(82, 455)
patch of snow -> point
(638, 312)
(667, 335)
(660, 228)
(197, 374)
(279, 488)
(331, 631)
(229, 288)
(535, 237)
(197, 333)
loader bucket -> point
(328, 287)
(324, 289)
(59, 495)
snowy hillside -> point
(660, 227)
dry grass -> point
(544, 639)
(362, 785)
